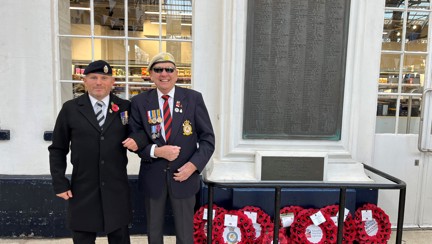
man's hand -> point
(185, 171)
(130, 144)
(65, 195)
(167, 152)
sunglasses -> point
(160, 70)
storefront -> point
(49, 43)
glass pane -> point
(70, 72)
(419, 4)
(389, 73)
(175, 20)
(141, 51)
(137, 89)
(417, 31)
(392, 30)
(413, 73)
(74, 57)
(386, 111)
(409, 115)
(109, 18)
(178, 19)
(395, 3)
(136, 17)
(74, 17)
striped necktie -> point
(167, 118)
(99, 114)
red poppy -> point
(114, 107)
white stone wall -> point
(27, 106)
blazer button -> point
(102, 138)
(102, 162)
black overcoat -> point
(99, 181)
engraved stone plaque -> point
(295, 69)
(282, 166)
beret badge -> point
(105, 69)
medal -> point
(178, 107)
(124, 117)
(154, 119)
(149, 117)
(159, 116)
(158, 129)
(154, 131)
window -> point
(403, 65)
(125, 33)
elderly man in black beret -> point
(94, 128)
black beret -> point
(99, 67)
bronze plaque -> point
(295, 69)
(292, 168)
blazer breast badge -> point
(187, 128)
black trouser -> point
(119, 236)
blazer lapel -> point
(85, 107)
(177, 117)
(111, 113)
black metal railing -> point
(396, 184)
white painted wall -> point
(27, 102)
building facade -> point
(40, 52)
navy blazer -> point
(196, 147)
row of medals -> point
(155, 119)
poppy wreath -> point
(268, 238)
(244, 224)
(349, 229)
(303, 230)
(285, 210)
(377, 230)
(200, 229)
(263, 219)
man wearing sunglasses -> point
(174, 134)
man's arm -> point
(57, 154)
(206, 137)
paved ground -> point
(134, 240)
(416, 236)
